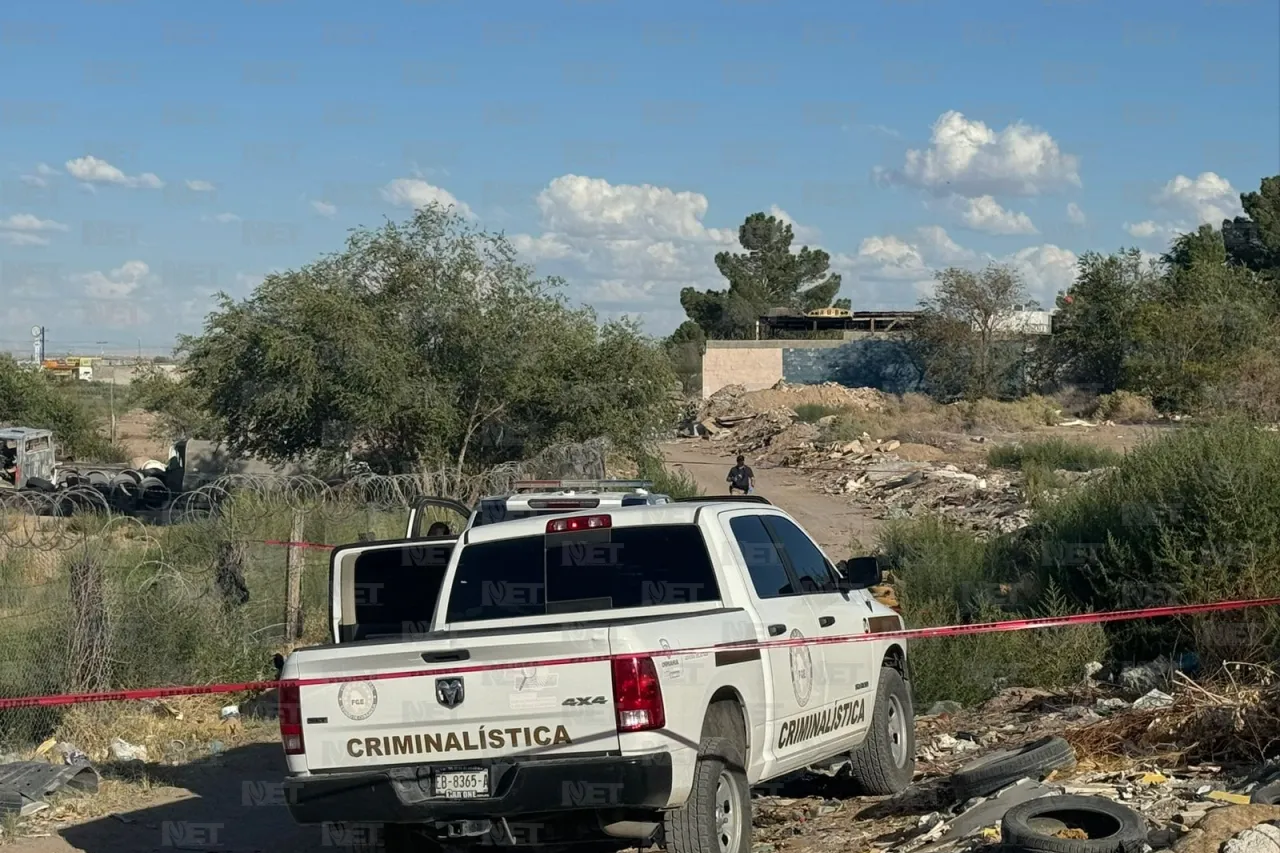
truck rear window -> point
(581, 572)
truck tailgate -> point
(457, 717)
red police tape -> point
(910, 633)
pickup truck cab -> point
(618, 677)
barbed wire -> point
(99, 590)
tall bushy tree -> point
(422, 341)
(1093, 329)
(768, 275)
(962, 336)
(1202, 321)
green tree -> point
(686, 347)
(1204, 245)
(768, 275)
(1093, 328)
(29, 398)
(181, 411)
(1198, 325)
(1254, 240)
(962, 338)
(423, 342)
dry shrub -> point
(173, 730)
(1125, 407)
(1235, 719)
(1076, 401)
(1253, 389)
(1012, 416)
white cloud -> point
(26, 229)
(23, 238)
(985, 214)
(414, 192)
(94, 171)
(627, 247)
(969, 158)
(324, 208)
(119, 283)
(592, 207)
(891, 272)
(222, 218)
(544, 247)
(1075, 215)
(1149, 228)
(30, 222)
(42, 173)
(200, 186)
(1208, 198)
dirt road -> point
(827, 518)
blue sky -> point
(154, 153)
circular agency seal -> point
(357, 699)
(801, 670)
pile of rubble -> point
(984, 773)
(889, 478)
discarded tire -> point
(1003, 767)
(1038, 825)
(1267, 795)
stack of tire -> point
(1056, 823)
(123, 492)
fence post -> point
(293, 577)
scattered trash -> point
(122, 750)
(1154, 699)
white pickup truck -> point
(620, 677)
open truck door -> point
(387, 589)
(427, 511)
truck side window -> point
(814, 572)
(768, 574)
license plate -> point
(462, 783)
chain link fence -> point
(93, 600)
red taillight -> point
(291, 718)
(637, 695)
(578, 522)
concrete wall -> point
(122, 374)
(755, 367)
(861, 360)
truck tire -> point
(717, 816)
(994, 770)
(886, 760)
(1110, 826)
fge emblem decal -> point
(357, 699)
(801, 670)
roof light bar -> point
(546, 485)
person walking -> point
(741, 478)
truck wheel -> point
(717, 816)
(885, 762)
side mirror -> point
(861, 572)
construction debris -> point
(890, 478)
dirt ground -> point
(133, 432)
(829, 519)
